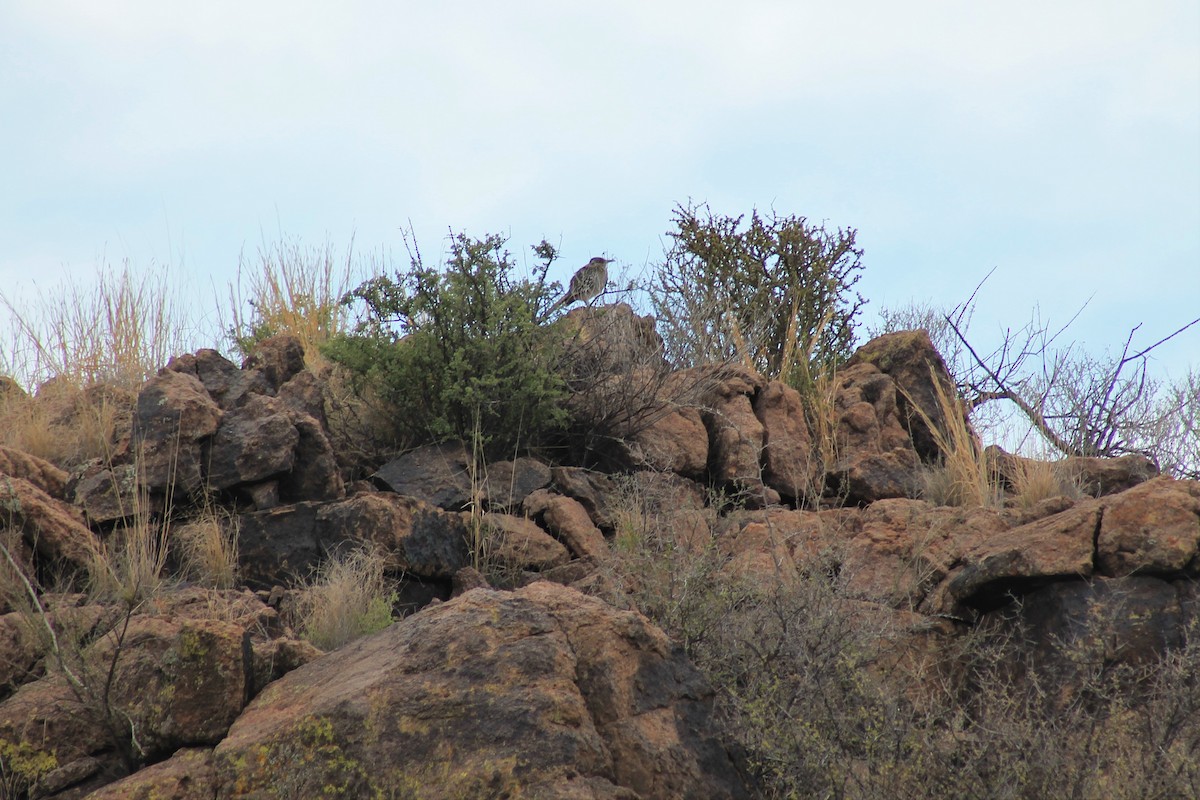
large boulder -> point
(922, 380)
(54, 531)
(662, 428)
(139, 693)
(288, 543)
(788, 463)
(994, 570)
(186, 775)
(438, 474)
(175, 415)
(736, 435)
(255, 441)
(875, 456)
(542, 692)
(1151, 529)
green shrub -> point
(459, 353)
(775, 293)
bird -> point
(587, 283)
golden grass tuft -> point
(1036, 479)
(130, 567)
(87, 349)
(296, 290)
(349, 597)
(965, 476)
(207, 548)
(117, 332)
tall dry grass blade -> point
(965, 477)
(297, 290)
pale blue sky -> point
(1058, 142)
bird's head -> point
(597, 260)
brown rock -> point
(108, 493)
(174, 415)
(1056, 547)
(280, 545)
(437, 474)
(875, 457)
(417, 538)
(904, 548)
(279, 359)
(24, 640)
(277, 546)
(187, 775)
(919, 372)
(591, 489)
(541, 692)
(174, 684)
(518, 543)
(226, 384)
(1153, 528)
(1103, 476)
(303, 394)
(271, 659)
(735, 434)
(54, 530)
(788, 463)
(37, 471)
(314, 474)
(510, 482)
(671, 439)
(255, 441)
(570, 522)
(610, 340)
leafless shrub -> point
(816, 689)
(618, 379)
(1077, 403)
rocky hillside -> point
(524, 661)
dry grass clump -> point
(1036, 479)
(820, 411)
(130, 566)
(66, 425)
(297, 290)
(349, 597)
(207, 548)
(117, 332)
(828, 696)
(87, 350)
(965, 476)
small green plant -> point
(461, 349)
(349, 597)
(774, 293)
